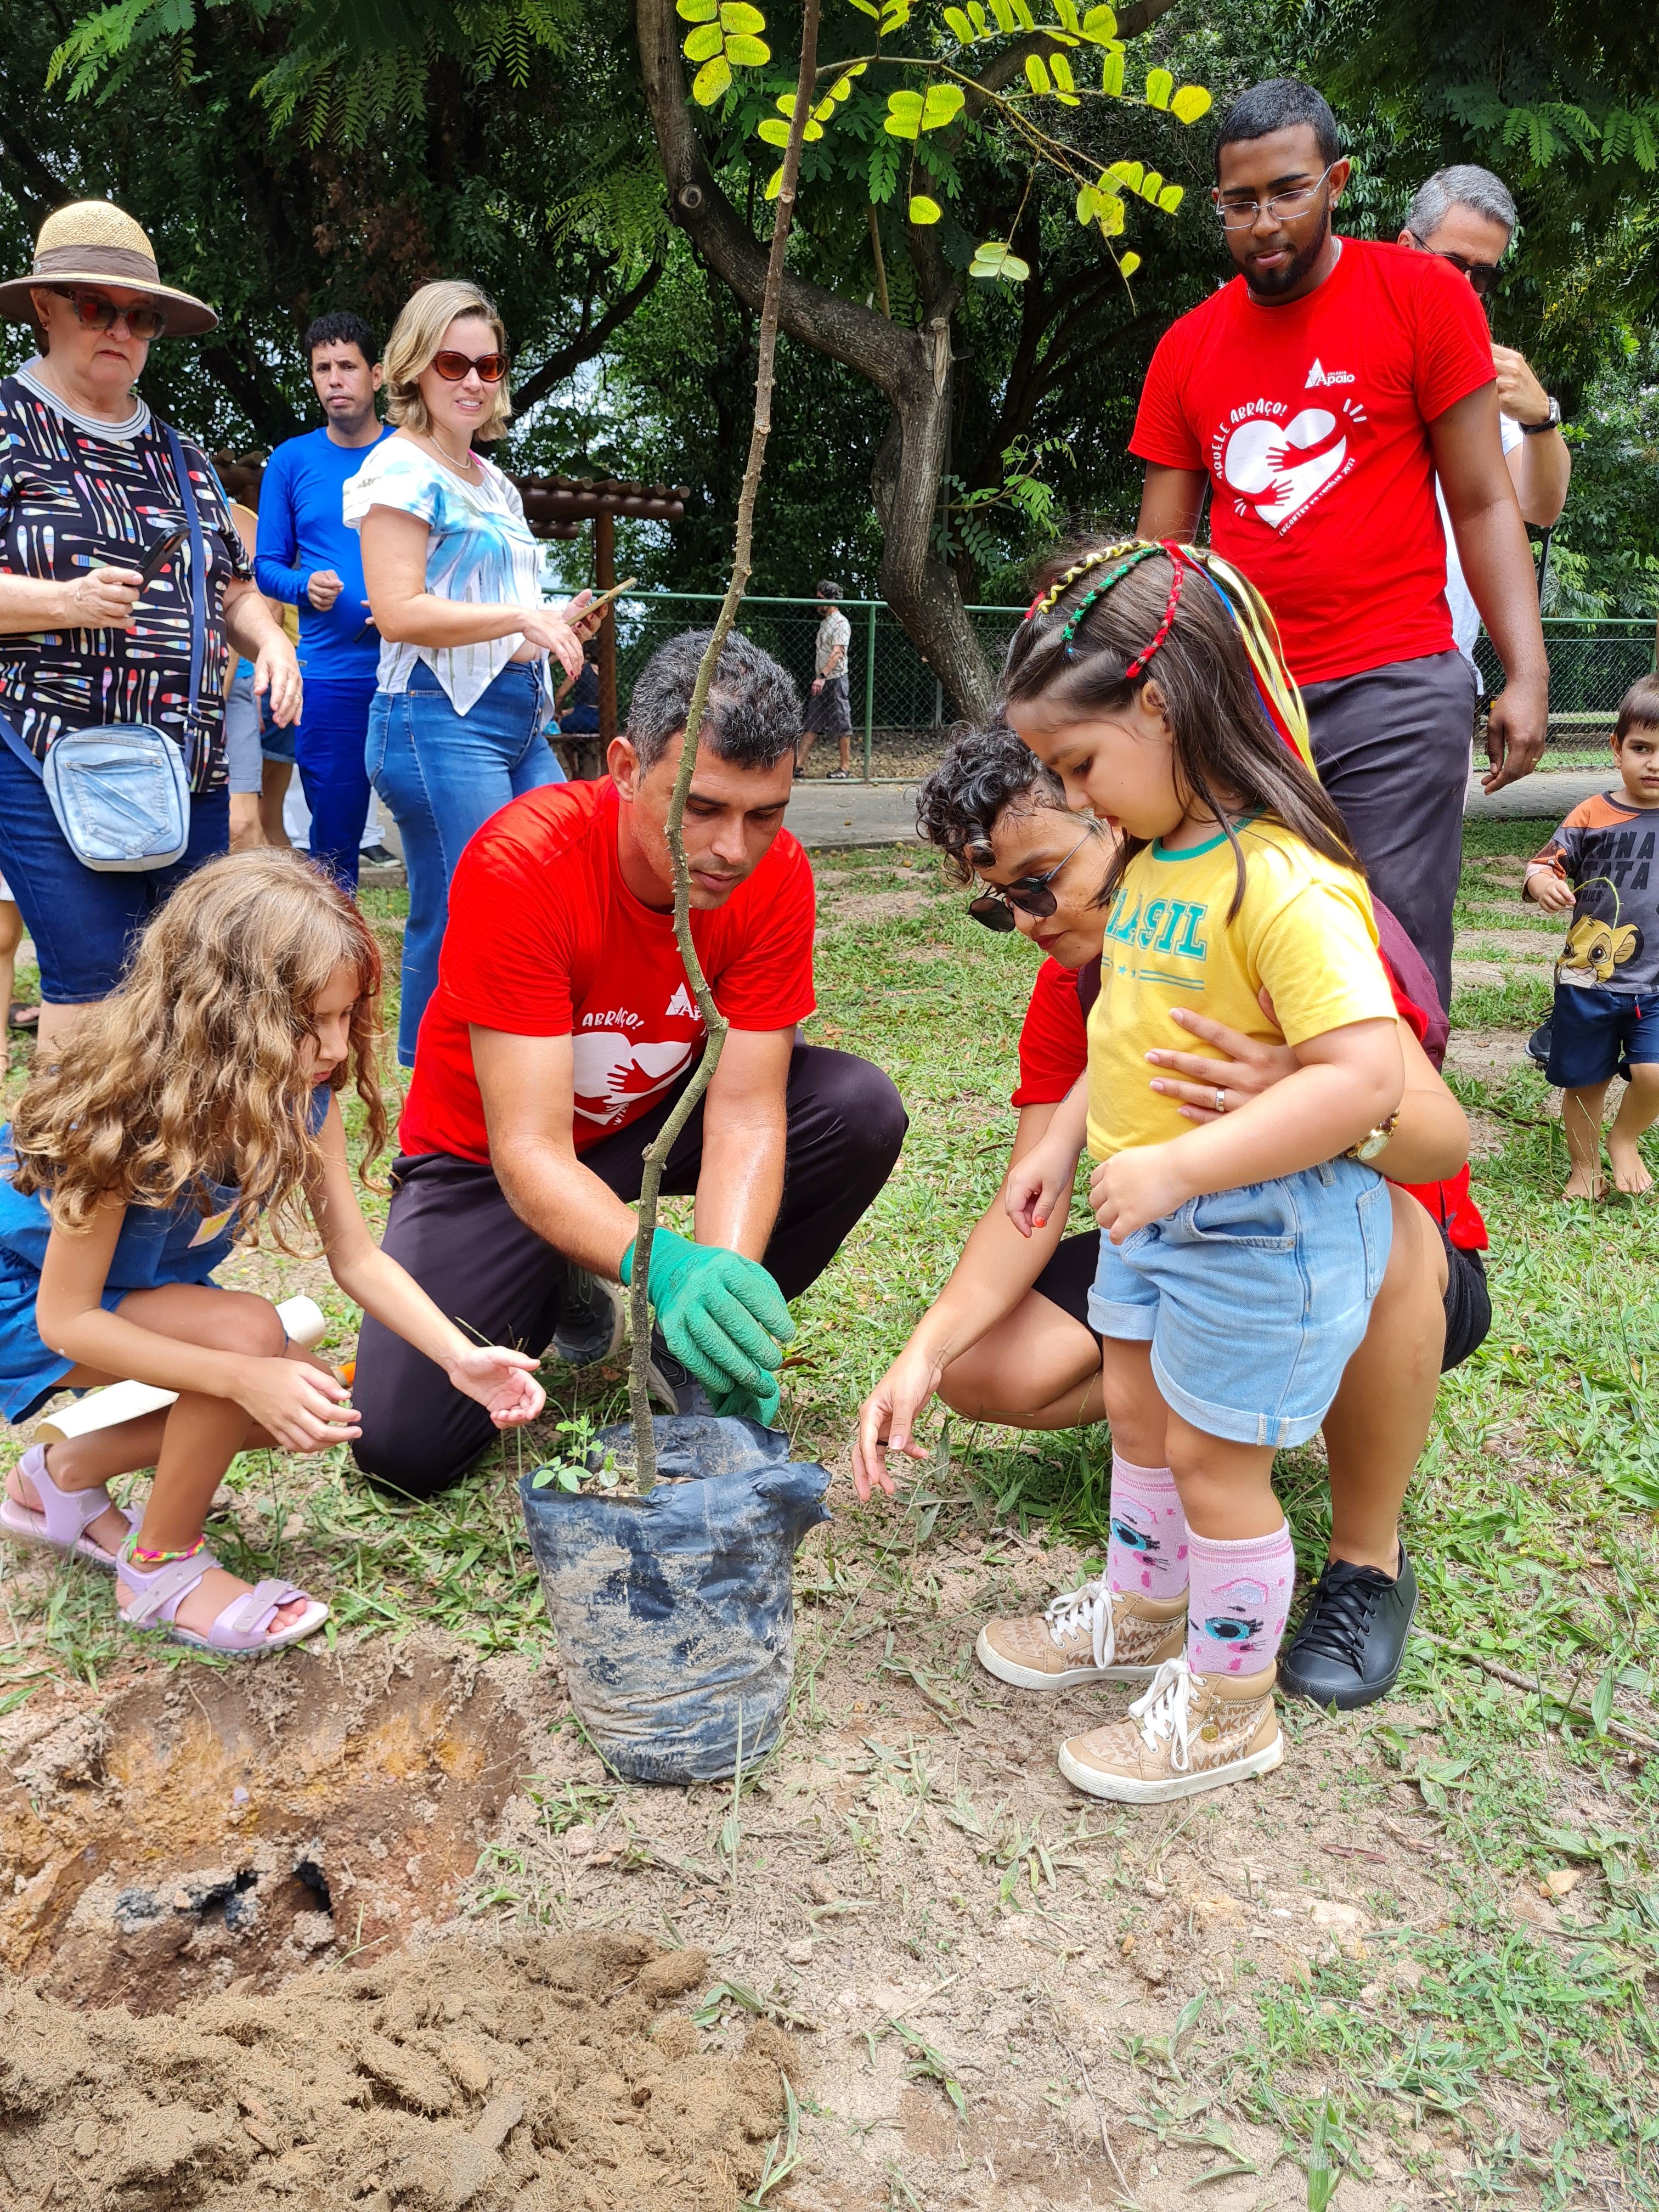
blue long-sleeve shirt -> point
(301, 531)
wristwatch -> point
(1374, 1139)
(1551, 422)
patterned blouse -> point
(74, 496)
(480, 550)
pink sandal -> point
(241, 1628)
(65, 1516)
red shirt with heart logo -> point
(1311, 422)
(546, 939)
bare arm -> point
(394, 574)
(1171, 500)
(745, 1121)
(1491, 545)
(1540, 467)
(528, 1085)
(252, 629)
(98, 598)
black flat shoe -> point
(1352, 1643)
(593, 1314)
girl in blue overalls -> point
(201, 1098)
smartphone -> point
(158, 556)
(604, 598)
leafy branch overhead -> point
(968, 69)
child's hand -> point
(1135, 1186)
(1553, 892)
(304, 1407)
(1037, 1185)
(503, 1382)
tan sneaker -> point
(1188, 1733)
(1087, 1635)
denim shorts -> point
(1593, 1031)
(83, 920)
(1253, 1300)
(243, 767)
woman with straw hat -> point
(89, 487)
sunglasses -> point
(95, 312)
(1484, 276)
(993, 907)
(454, 366)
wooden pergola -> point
(554, 506)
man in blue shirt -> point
(307, 557)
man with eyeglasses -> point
(1317, 399)
(1465, 214)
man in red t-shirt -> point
(1316, 396)
(562, 1031)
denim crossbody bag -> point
(119, 790)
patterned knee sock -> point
(1240, 1597)
(1148, 1557)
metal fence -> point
(900, 713)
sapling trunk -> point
(656, 1154)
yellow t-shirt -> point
(1305, 930)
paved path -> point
(823, 815)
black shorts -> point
(1069, 1276)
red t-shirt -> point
(1312, 420)
(1053, 1051)
(546, 939)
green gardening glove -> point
(723, 1317)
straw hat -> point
(94, 242)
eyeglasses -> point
(95, 312)
(1282, 207)
(995, 906)
(1484, 276)
(454, 366)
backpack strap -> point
(197, 566)
(1088, 985)
(15, 743)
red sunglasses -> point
(454, 366)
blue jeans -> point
(83, 920)
(329, 753)
(443, 774)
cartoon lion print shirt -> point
(1609, 850)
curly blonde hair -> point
(417, 337)
(190, 1073)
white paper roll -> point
(302, 1317)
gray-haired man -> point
(829, 713)
(1465, 214)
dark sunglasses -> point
(95, 312)
(454, 366)
(1484, 276)
(994, 908)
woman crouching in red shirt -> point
(1008, 1339)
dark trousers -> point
(1392, 748)
(452, 1227)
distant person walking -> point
(828, 712)
(454, 579)
(1465, 214)
(1318, 396)
(90, 483)
(309, 558)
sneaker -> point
(672, 1384)
(1188, 1733)
(377, 856)
(1538, 1044)
(839, 775)
(1352, 1643)
(1086, 1635)
(593, 1314)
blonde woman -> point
(454, 579)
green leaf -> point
(995, 258)
(977, 17)
(884, 169)
(697, 11)
(1150, 185)
(1063, 78)
(1035, 75)
(707, 40)
(1132, 174)
(943, 104)
(904, 116)
(743, 52)
(922, 209)
(1171, 197)
(775, 132)
(1159, 85)
(1601, 1703)
(1087, 204)
(1128, 264)
(774, 182)
(1321, 2178)
(1111, 73)
(1100, 23)
(1112, 217)
(711, 82)
(1005, 15)
(1189, 103)
(961, 29)
(737, 16)
(1066, 15)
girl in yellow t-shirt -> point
(1240, 1258)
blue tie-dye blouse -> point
(480, 551)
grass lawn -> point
(1480, 2024)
